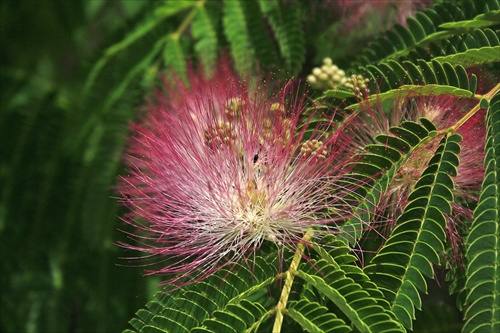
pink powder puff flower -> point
(216, 170)
(444, 111)
(358, 12)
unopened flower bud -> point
(312, 79)
(316, 71)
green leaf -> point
(416, 28)
(483, 242)
(148, 24)
(286, 23)
(174, 56)
(422, 40)
(237, 32)
(224, 299)
(405, 34)
(480, 21)
(340, 94)
(473, 83)
(314, 317)
(116, 93)
(204, 29)
(486, 54)
(170, 8)
(440, 72)
(407, 91)
(418, 237)
(492, 37)
(381, 162)
(355, 303)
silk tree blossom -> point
(470, 171)
(393, 11)
(216, 170)
(444, 111)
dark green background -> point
(60, 156)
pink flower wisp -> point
(444, 111)
(215, 170)
(358, 12)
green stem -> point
(187, 21)
(488, 96)
(290, 275)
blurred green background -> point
(60, 155)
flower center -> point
(253, 207)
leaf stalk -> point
(488, 96)
(290, 275)
(187, 20)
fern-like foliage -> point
(381, 162)
(205, 32)
(286, 23)
(393, 79)
(483, 241)
(314, 317)
(229, 301)
(424, 36)
(349, 288)
(417, 241)
(240, 299)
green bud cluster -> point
(329, 76)
(357, 84)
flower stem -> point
(488, 96)
(290, 275)
(185, 23)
